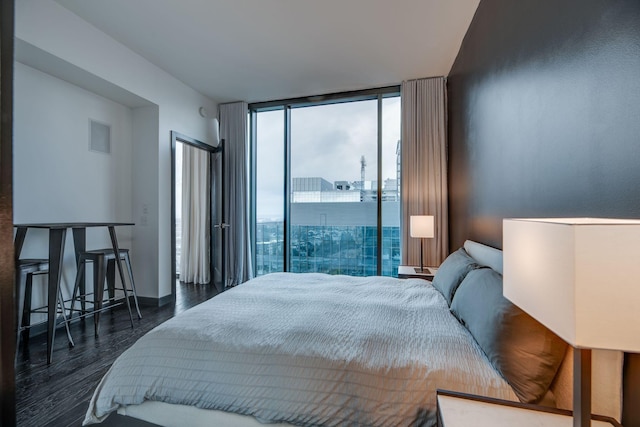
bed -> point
(313, 349)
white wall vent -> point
(99, 137)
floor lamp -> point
(589, 294)
(422, 227)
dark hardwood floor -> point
(58, 394)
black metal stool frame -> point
(104, 262)
(25, 270)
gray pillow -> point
(451, 273)
(526, 353)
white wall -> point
(53, 29)
(56, 177)
(145, 174)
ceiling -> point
(261, 50)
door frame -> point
(213, 151)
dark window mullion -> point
(287, 188)
(253, 137)
(379, 189)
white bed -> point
(308, 349)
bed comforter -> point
(307, 349)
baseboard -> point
(40, 328)
(155, 302)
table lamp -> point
(580, 278)
(421, 226)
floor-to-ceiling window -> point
(269, 191)
(326, 184)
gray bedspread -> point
(307, 349)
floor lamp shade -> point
(421, 226)
(580, 277)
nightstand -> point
(466, 410)
(410, 272)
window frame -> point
(311, 101)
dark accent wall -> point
(544, 114)
(544, 120)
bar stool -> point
(104, 265)
(25, 270)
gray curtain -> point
(424, 167)
(237, 250)
(195, 265)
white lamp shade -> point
(580, 277)
(215, 133)
(421, 226)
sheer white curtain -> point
(195, 259)
(237, 247)
(424, 167)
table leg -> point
(111, 280)
(98, 291)
(21, 233)
(25, 305)
(56, 249)
(80, 245)
(116, 251)
(18, 242)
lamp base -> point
(581, 387)
(421, 255)
(422, 270)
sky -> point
(327, 141)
